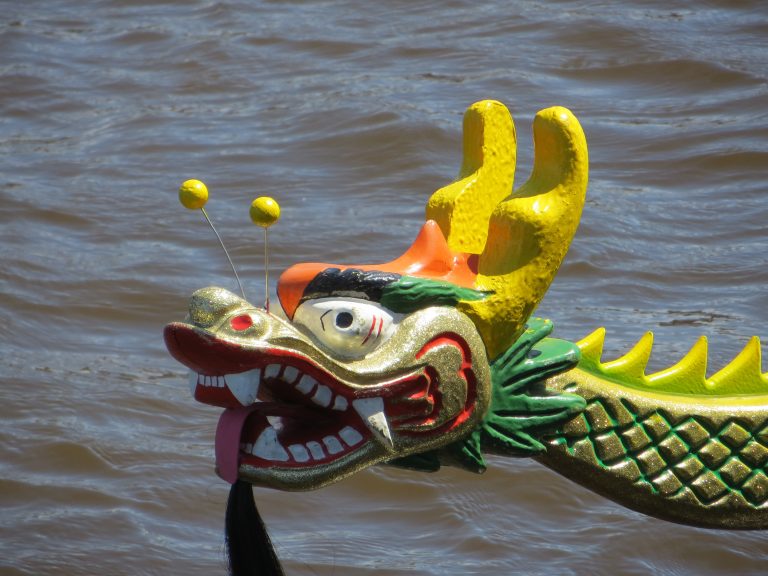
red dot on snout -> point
(242, 322)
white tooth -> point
(340, 403)
(219, 382)
(244, 386)
(248, 448)
(272, 371)
(333, 444)
(316, 449)
(371, 411)
(269, 447)
(194, 378)
(323, 396)
(299, 452)
(276, 422)
(306, 384)
(350, 436)
(290, 373)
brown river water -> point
(349, 114)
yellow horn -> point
(530, 233)
(462, 209)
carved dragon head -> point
(428, 359)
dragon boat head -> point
(421, 361)
(368, 368)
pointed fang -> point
(371, 410)
(244, 386)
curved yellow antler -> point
(462, 209)
(523, 242)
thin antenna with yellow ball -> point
(265, 211)
(193, 194)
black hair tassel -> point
(248, 545)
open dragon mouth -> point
(289, 413)
(298, 416)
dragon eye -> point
(344, 319)
(348, 327)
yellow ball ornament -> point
(264, 211)
(193, 194)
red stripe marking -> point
(370, 331)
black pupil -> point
(344, 319)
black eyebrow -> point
(349, 283)
(321, 318)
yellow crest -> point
(519, 236)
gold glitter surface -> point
(453, 342)
(692, 459)
(209, 306)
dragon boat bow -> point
(434, 358)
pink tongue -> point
(228, 434)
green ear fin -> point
(521, 409)
(466, 454)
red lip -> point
(411, 401)
(204, 353)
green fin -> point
(521, 410)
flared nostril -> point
(241, 322)
(252, 323)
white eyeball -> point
(348, 327)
